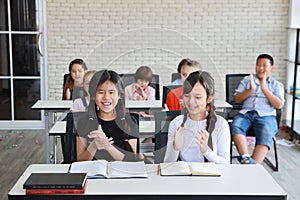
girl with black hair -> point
(106, 131)
(73, 87)
(198, 135)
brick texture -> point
(224, 36)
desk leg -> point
(50, 141)
(52, 145)
(47, 118)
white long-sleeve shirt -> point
(190, 150)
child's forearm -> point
(240, 97)
(273, 99)
(115, 153)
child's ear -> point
(272, 67)
(210, 99)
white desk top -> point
(59, 104)
(143, 104)
(158, 104)
(235, 180)
(222, 104)
(52, 104)
(58, 128)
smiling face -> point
(106, 98)
(196, 102)
(263, 66)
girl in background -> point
(73, 87)
(141, 89)
(81, 104)
(174, 97)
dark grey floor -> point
(21, 148)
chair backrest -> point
(175, 76)
(69, 148)
(166, 90)
(232, 82)
(64, 83)
(129, 79)
(162, 121)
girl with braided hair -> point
(198, 135)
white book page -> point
(94, 169)
(174, 168)
(121, 169)
(208, 169)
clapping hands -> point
(178, 138)
(202, 140)
(101, 141)
(252, 83)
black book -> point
(55, 181)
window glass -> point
(26, 93)
(5, 100)
(23, 15)
(3, 15)
(4, 55)
(25, 55)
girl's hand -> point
(202, 140)
(178, 138)
(101, 141)
(141, 92)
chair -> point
(162, 121)
(64, 83)
(232, 82)
(69, 139)
(129, 79)
(166, 90)
(175, 76)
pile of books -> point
(55, 183)
(297, 93)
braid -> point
(211, 122)
(206, 80)
(185, 114)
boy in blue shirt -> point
(260, 95)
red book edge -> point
(56, 191)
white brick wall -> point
(230, 32)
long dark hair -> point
(99, 78)
(207, 81)
(69, 80)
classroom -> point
(40, 38)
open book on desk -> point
(113, 169)
(189, 168)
